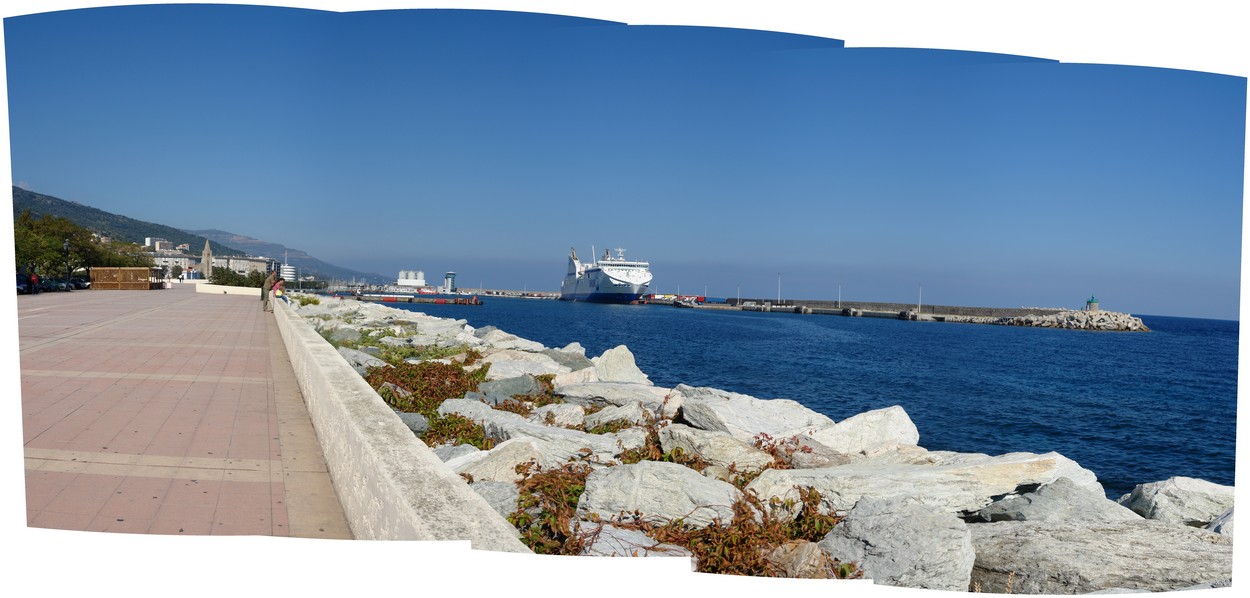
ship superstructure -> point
(608, 280)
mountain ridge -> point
(119, 227)
(302, 261)
(224, 243)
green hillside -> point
(130, 230)
(105, 223)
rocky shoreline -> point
(1068, 320)
(640, 470)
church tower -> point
(206, 261)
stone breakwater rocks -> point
(1013, 523)
(1070, 320)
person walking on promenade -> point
(264, 290)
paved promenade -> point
(166, 412)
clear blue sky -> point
(489, 143)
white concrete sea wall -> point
(391, 485)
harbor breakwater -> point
(1038, 317)
(895, 308)
(1030, 523)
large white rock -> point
(1059, 501)
(462, 338)
(501, 496)
(1187, 501)
(608, 540)
(870, 432)
(633, 413)
(617, 365)
(902, 542)
(582, 376)
(1034, 557)
(1063, 467)
(499, 464)
(469, 408)
(629, 439)
(311, 312)
(561, 414)
(744, 416)
(359, 360)
(717, 448)
(1223, 524)
(621, 393)
(801, 559)
(660, 492)
(805, 452)
(571, 360)
(561, 444)
(461, 460)
(448, 452)
(966, 484)
(502, 340)
(511, 363)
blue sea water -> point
(1131, 407)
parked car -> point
(53, 284)
(80, 283)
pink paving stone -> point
(43, 486)
(127, 405)
(252, 521)
(193, 524)
(75, 504)
(55, 520)
(85, 494)
(131, 507)
(228, 502)
(122, 525)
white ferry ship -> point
(609, 280)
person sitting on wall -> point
(279, 291)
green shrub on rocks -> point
(611, 427)
(453, 428)
(547, 506)
(396, 355)
(392, 354)
(742, 546)
(525, 404)
(514, 406)
(546, 514)
(422, 387)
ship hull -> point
(601, 289)
(602, 297)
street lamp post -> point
(778, 288)
(66, 247)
